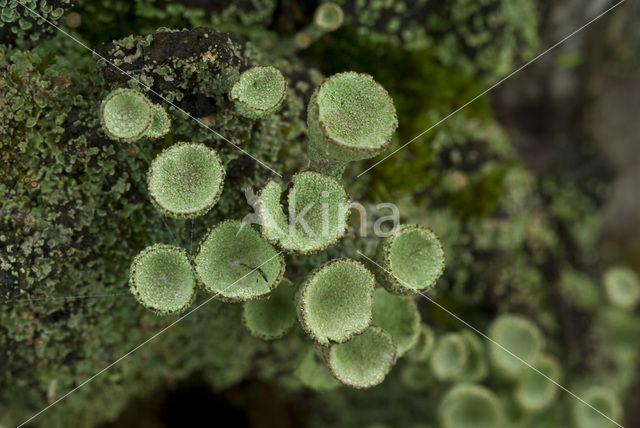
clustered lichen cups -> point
(360, 321)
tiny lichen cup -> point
(310, 216)
(470, 406)
(259, 92)
(365, 360)
(520, 337)
(449, 357)
(186, 180)
(335, 303)
(410, 260)
(398, 316)
(328, 17)
(622, 287)
(273, 317)
(162, 279)
(350, 117)
(126, 115)
(534, 392)
(235, 264)
(160, 123)
(601, 398)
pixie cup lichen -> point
(449, 357)
(160, 123)
(534, 392)
(314, 373)
(350, 117)
(398, 316)
(603, 399)
(410, 260)
(259, 92)
(309, 217)
(236, 264)
(186, 180)
(335, 303)
(470, 406)
(162, 279)
(520, 337)
(622, 287)
(365, 360)
(126, 115)
(328, 17)
(273, 317)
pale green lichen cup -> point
(328, 17)
(335, 303)
(470, 406)
(410, 260)
(521, 339)
(398, 316)
(235, 264)
(160, 123)
(259, 92)
(350, 117)
(186, 180)
(162, 279)
(126, 115)
(273, 317)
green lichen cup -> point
(365, 360)
(602, 399)
(259, 92)
(470, 406)
(328, 17)
(398, 316)
(421, 351)
(533, 391)
(520, 337)
(235, 264)
(314, 373)
(350, 117)
(410, 260)
(622, 287)
(273, 317)
(126, 115)
(160, 123)
(449, 357)
(477, 368)
(162, 279)
(310, 216)
(335, 303)
(186, 180)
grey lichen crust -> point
(126, 115)
(336, 302)
(317, 207)
(365, 360)
(350, 117)
(259, 92)
(236, 264)
(186, 180)
(162, 279)
(411, 260)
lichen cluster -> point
(89, 216)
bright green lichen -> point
(317, 208)
(160, 123)
(398, 316)
(259, 92)
(328, 17)
(533, 391)
(186, 180)
(449, 357)
(622, 287)
(273, 317)
(126, 115)
(336, 301)
(236, 264)
(350, 117)
(470, 406)
(314, 374)
(162, 279)
(365, 360)
(411, 260)
(520, 337)
(602, 399)
(476, 368)
(421, 351)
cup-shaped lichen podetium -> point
(236, 264)
(259, 92)
(335, 303)
(410, 260)
(317, 212)
(186, 180)
(398, 316)
(533, 391)
(313, 372)
(365, 360)
(328, 17)
(622, 287)
(162, 279)
(271, 318)
(604, 400)
(449, 357)
(160, 123)
(470, 406)
(520, 337)
(126, 115)
(350, 117)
